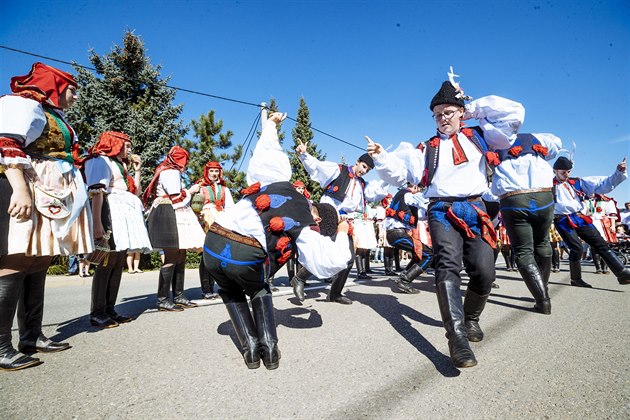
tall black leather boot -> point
(534, 280)
(597, 262)
(100, 284)
(30, 314)
(336, 287)
(366, 260)
(262, 307)
(206, 281)
(544, 265)
(112, 289)
(291, 268)
(618, 269)
(397, 268)
(164, 287)
(555, 261)
(245, 329)
(473, 307)
(575, 269)
(452, 312)
(388, 262)
(403, 282)
(11, 359)
(179, 298)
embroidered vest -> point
(575, 183)
(432, 152)
(525, 144)
(400, 211)
(284, 212)
(217, 198)
(56, 141)
(338, 187)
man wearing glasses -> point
(452, 166)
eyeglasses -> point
(448, 115)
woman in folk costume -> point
(452, 166)
(173, 227)
(216, 198)
(117, 212)
(603, 211)
(43, 204)
(256, 238)
(503, 242)
(555, 239)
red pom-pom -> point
(335, 188)
(434, 142)
(262, 202)
(276, 224)
(540, 149)
(390, 212)
(515, 151)
(252, 189)
(493, 158)
(351, 175)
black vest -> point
(400, 211)
(338, 187)
(284, 212)
(526, 141)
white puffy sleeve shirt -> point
(319, 254)
(499, 118)
(22, 120)
(567, 201)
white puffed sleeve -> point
(268, 163)
(405, 164)
(98, 174)
(322, 256)
(602, 185)
(22, 121)
(323, 172)
(376, 190)
(499, 118)
(551, 142)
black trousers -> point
(528, 218)
(239, 269)
(451, 246)
(585, 231)
(400, 239)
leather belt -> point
(455, 199)
(533, 190)
(236, 237)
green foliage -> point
(302, 132)
(212, 145)
(128, 94)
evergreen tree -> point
(302, 132)
(128, 94)
(204, 149)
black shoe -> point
(184, 302)
(390, 273)
(405, 287)
(473, 330)
(166, 305)
(298, 288)
(461, 353)
(363, 276)
(103, 321)
(17, 361)
(580, 283)
(341, 299)
(544, 307)
(42, 345)
(121, 319)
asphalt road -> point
(385, 356)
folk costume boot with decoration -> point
(164, 288)
(262, 307)
(179, 298)
(403, 282)
(451, 309)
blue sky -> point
(365, 67)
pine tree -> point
(128, 94)
(204, 149)
(302, 132)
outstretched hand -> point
(373, 148)
(277, 117)
(622, 166)
(301, 147)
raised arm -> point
(323, 172)
(499, 118)
(269, 163)
(405, 164)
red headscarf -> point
(306, 194)
(44, 84)
(206, 178)
(177, 158)
(385, 201)
(109, 144)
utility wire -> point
(195, 92)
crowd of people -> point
(462, 197)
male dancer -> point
(452, 166)
(573, 225)
(346, 190)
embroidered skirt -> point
(127, 221)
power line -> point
(194, 92)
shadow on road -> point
(396, 314)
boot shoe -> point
(473, 331)
(461, 353)
(405, 287)
(341, 299)
(580, 283)
(544, 307)
(16, 361)
(166, 305)
(42, 345)
(121, 319)
(103, 321)
(184, 302)
(624, 277)
(298, 288)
